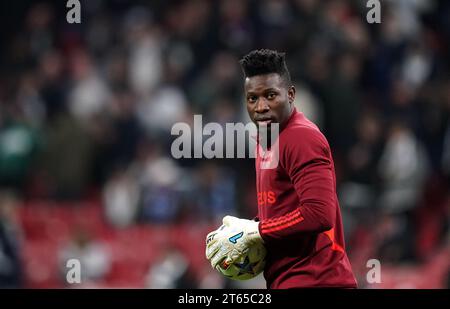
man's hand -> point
(232, 240)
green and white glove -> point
(232, 240)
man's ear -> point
(291, 94)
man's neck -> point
(265, 135)
(285, 123)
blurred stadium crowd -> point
(86, 112)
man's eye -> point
(271, 95)
(252, 99)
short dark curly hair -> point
(265, 61)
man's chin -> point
(267, 129)
(264, 127)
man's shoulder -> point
(302, 132)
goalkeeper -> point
(299, 219)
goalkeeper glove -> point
(231, 240)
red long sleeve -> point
(298, 210)
(306, 160)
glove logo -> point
(210, 238)
(234, 238)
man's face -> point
(269, 99)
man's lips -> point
(264, 121)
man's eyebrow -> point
(263, 90)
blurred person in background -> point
(121, 198)
(170, 271)
(403, 168)
(159, 180)
(19, 145)
(11, 272)
(93, 255)
(214, 191)
(359, 189)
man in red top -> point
(299, 219)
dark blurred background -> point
(86, 112)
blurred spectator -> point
(89, 93)
(235, 31)
(162, 110)
(407, 14)
(19, 145)
(309, 105)
(11, 271)
(158, 177)
(121, 198)
(214, 192)
(170, 271)
(94, 257)
(116, 134)
(417, 65)
(39, 21)
(221, 79)
(403, 167)
(360, 184)
(342, 101)
(67, 158)
(366, 151)
(145, 61)
(54, 86)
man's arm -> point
(307, 160)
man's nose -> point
(262, 106)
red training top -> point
(298, 209)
